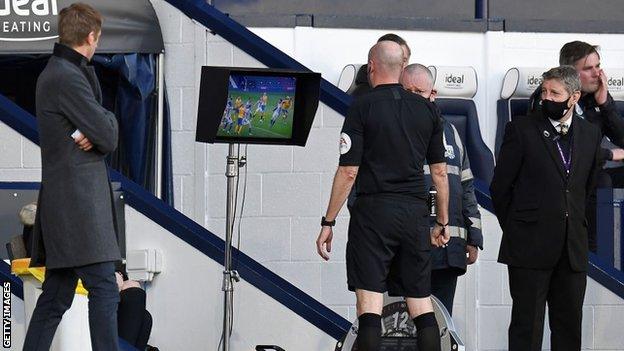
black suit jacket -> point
(539, 207)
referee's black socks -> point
(428, 332)
(369, 332)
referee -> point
(385, 139)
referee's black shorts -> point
(388, 247)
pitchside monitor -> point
(256, 106)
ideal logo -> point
(616, 83)
(533, 81)
(450, 78)
(28, 20)
(454, 81)
(23, 8)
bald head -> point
(397, 39)
(385, 63)
(417, 79)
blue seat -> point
(506, 110)
(456, 86)
(463, 115)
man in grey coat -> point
(74, 234)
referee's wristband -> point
(441, 225)
(326, 223)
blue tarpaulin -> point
(129, 89)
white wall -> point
(186, 301)
(20, 159)
(288, 187)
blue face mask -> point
(554, 110)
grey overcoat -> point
(75, 222)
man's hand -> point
(601, 94)
(119, 279)
(323, 242)
(618, 154)
(473, 254)
(83, 143)
(130, 284)
(439, 236)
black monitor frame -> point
(213, 93)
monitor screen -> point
(256, 105)
(259, 106)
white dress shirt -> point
(558, 124)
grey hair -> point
(416, 68)
(567, 75)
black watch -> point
(326, 223)
(440, 224)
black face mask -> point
(554, 110)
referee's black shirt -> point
(388, 133)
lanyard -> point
(566, 163)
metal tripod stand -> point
(229, 276)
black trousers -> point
(59, 288)
(443, 285)
(134, 321)
(531, 289)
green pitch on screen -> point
(259, 123)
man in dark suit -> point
(545, 171)
(597, 106)
(74, 233)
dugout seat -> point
(456, 86)
(518, 85)
(353, 80)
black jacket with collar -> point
(541, 209)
